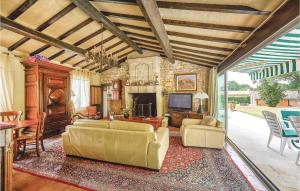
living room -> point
(126, 94)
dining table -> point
(18, 126)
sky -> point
(240, 78)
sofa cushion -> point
(92, 123)
(205, 127)
(209, 120)
(131, 126)
(188, 121)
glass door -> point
(222, 100)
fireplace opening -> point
(144, 105)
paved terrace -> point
(251, 134)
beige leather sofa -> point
(195, 133)
(121, 142)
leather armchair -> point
(195, 134)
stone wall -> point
(167, 78)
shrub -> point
(271, 92)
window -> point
(80, 84)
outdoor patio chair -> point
(286, 113)
(277, 130)
(295, 122)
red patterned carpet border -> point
(184, 168)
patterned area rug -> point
(183, 169)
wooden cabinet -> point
(95, 95)
(116, 90)
(47, 89)
(178, 116)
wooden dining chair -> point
(10, 115)
(33, 137)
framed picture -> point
(186, 82)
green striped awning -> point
(280, 57)
(274, 70)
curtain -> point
(212, 92)
(80, 83)
(11, 83)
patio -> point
(251, 134)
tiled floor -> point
(249, 174)
(251, 135)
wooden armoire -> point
(47, 89)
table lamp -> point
(201, 96)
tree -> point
(293, 79)
(234, 86)
(271, 92)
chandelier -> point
(99, 57)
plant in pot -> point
(126, 113)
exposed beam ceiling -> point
(101, 42)
(211, 8)
(21, 9)
(151, 13)
(90, 10)
(228, 28)
(30, 33)
(65, 35)
(44, 25)
(281, 21)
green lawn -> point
(256, 110)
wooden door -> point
(95, 95)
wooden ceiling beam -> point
(21, 9)
(198, 51)
(199, 56)
(64, 35)
(124, 16)
(146, 29)
(68, 59)
(141, 35)
(150, 46)
(143, 40)
(101, 42)
(200, 46)
(56, 54)
(113, 45)
(90, 10)
(79, 62)
(79, 42)
(184, 59)
(209, 26)
(125, 54)
(125, 2)
(151, 13)
(283, 20)
(120, 50)
(238, 9)
(196, 60)
(43, 26)
(30, 33)
(205, 38)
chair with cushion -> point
(277, 130)
(33, 137)
(295, 122)
(286, 113)
(208, 132)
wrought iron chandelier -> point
(99, 57)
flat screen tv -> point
(180, 101)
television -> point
(180, 101)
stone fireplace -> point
(144, 105)
(144, 78)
